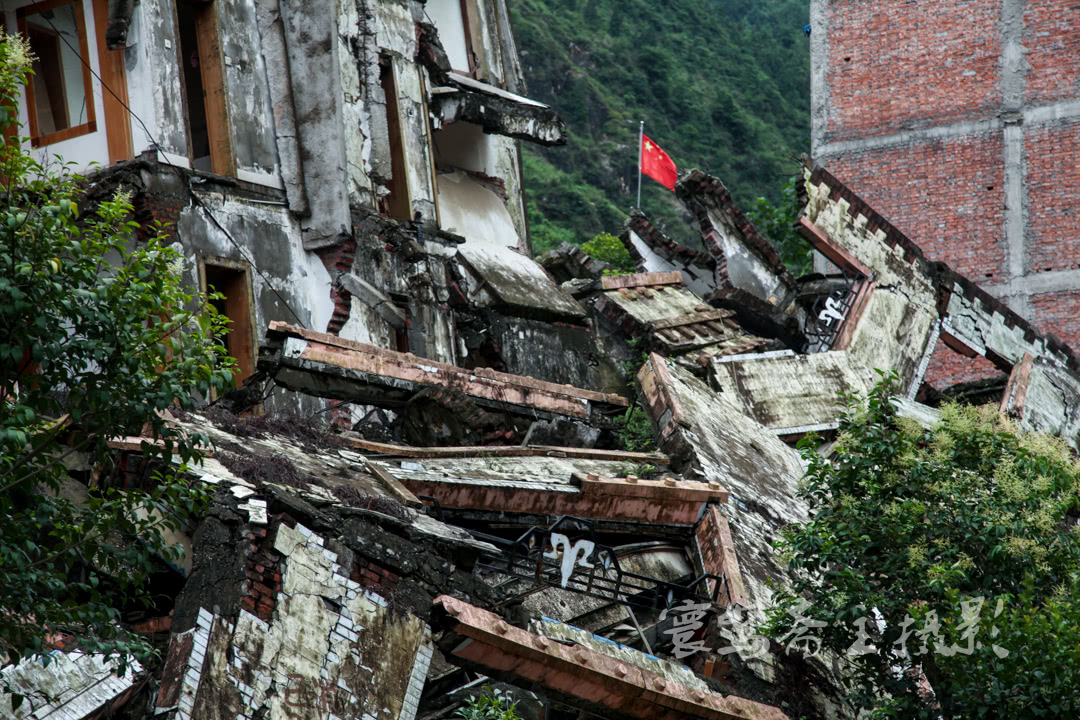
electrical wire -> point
(196, 200)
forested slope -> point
(722, 85)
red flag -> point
(656, 164)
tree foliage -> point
(489, 705)
(722, 86)
(777, 223)
(97, 337)
(907, 525)
(610, 249)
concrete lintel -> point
(587, 678)
(614, 282)
(658, 490)
(512, 500)
(373, 298)
(909, 137)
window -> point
(455, 20)
(59, 102)
(232, 279)
(397, 204)
(204, 87)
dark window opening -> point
(198, 126)
(235, 285)
(397, 203)
(50, 93)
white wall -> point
(446, 14)
(84, 149)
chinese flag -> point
(656, 164)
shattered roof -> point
(518, 281)
(323, 473)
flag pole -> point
(640, 141)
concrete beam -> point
(581, 676)
(330, 366)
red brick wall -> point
(1053, 185)
(262, 568)
(947, 368)
(946, 195)
(892, 62)
(1053, 50)
(1059, 313)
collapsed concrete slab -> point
(710, 438)
(582, 675)
(655, 252)
(72, 685)
(497, 111)
(670, 318)
(751, 262)
(327, 366)
(543, 488)
(967, 319)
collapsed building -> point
(476, 521)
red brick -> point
(1060, 314)
(948, 196)
(1053, 184)
(1052, 48)
(894, 63)
(248, 603)
(947, 368)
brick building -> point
(960, 121)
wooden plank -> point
(114, 78)
(692, 319)
(211, 66)
(466, 451)
(392, 484)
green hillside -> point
(722, 85)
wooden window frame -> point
(243, 267)
(212, 71)
(398, 204)
(90, 125)
(469, 20)
(111, 67)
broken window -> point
(58, 95)
(204, 87)
(455, 20)
(397, 204)
(233, 280)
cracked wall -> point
(330, 649)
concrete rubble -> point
(474, 518)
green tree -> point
(610, 249)
(721, 86)
(777, 223)
(910, 528)
(97, 337)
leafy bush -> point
(610, 249)
(490, 705)
(98, 336)
(909, 527)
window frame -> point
(251, 343)
(37, 139)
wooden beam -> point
(114, 78)
(211, 66)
